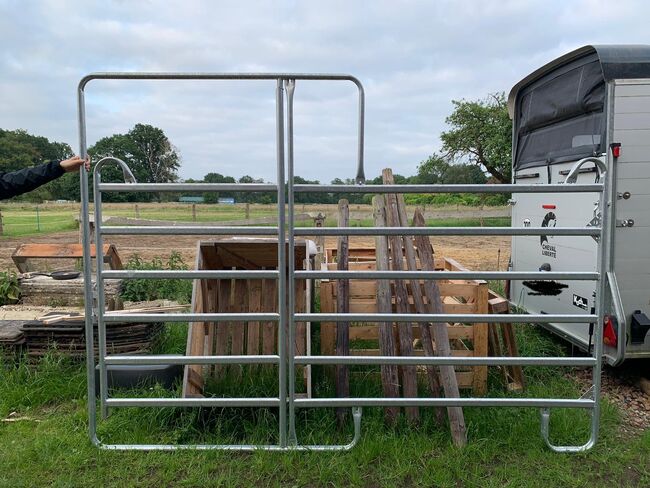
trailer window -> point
(561, 116)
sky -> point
(413, 58)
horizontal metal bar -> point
(256, 187)
(208, 230)
(190, 317)
(444, 317)
(180, 359)
(188, 187)
(523, 188)
(447, 360)
(129, 274)
(448, 275)
(447, 231)
(214, 76)
(443, 402)
(193, 402)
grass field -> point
(50, 447)
(27, 219)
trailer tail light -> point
(609, 331)
(616, 149)
(548, 206)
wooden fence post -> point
(137, 211)
(248, 211)
(1, 230)
(194, 212)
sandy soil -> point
(479, 253)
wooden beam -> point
(419, 307)
(223, 328)
(192, 386)
(389, 372)
(480, 340)
(441, 335)
(254, 306)
(238, 329)
(409, 375)
(269, 305)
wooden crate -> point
(459, 296)
(240, 296)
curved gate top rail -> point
(286, 359)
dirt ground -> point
(477, 253)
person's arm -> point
(28, 179)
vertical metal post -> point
(38, 220)
(87, 268)
(99, 284)
(290, 85)
(282, 260)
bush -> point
(147, 289)
(9, 288)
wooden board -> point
(25, 252)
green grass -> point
(505, 448)
(21, 219)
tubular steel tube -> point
(187, 187)
(444, 317)
(424, 189)
(447, 275)
(181, 359)
(356, 415)
(190, 317)
(448, 231)
(87, 269)
(132, 274)
(380, 189)
(189, 230)
(443, 402)
(194, 402)
(291, 265)
(282, 259)
(446, 360)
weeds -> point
(167, 289)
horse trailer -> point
(585, 118)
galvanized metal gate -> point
(287, 401)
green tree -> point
(464, 174)
(148, 153)
(481, 133)
(19, 149)
(213, 197)
(432, 171)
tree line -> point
(475, 149)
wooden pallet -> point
(241, 296)
(27, 252)
(459, 296)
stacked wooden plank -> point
(11, 333)
(43, 290)
(68, 336)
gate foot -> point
(356, 417)
(545, 422)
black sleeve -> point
(28, 179)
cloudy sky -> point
(412, 57)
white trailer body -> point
(591, 103)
